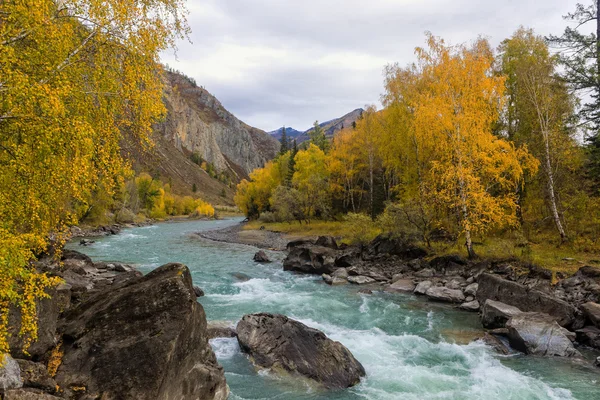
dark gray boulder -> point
(387, 245)
(146, 338)
(198, 291)
(327, 241)
(277, 342)
(495, 314)
(496, 288)
(310, 260)
(261, 257)
(539, 334)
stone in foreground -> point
(281, 344)
(539, 334)
(143, 339)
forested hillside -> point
(472, 143)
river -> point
(410, 348)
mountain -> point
(330, 127)
(198, 131)
(290, 133)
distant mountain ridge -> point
(330, 127)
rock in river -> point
(539, 334)
(277, 342)
(261, 257)
(310, 259)
(143, 339)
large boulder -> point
(539, 334)
(309, 259)
(261, 257)
(495, 314)
(10, 374)
(283, 345)
(445, 294)
(146, 338)
(496, 288)
(386, 245)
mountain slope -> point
(330, 127)
(197, 131)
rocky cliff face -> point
(198, 123)
(198, 128)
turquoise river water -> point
(410, 348)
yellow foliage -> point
(55, 359)
(69, 90)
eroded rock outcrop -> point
(283, 345)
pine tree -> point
(284, 142)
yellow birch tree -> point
(76, 78)
(473, 173)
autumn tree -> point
(311, 179)
(75, 76)
(473, 173)
(539, 110)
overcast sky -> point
(291, 62)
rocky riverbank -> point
(530, 312)
(263, 239)
(108, 332)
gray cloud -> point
(275, 62)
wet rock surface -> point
(282, 344)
